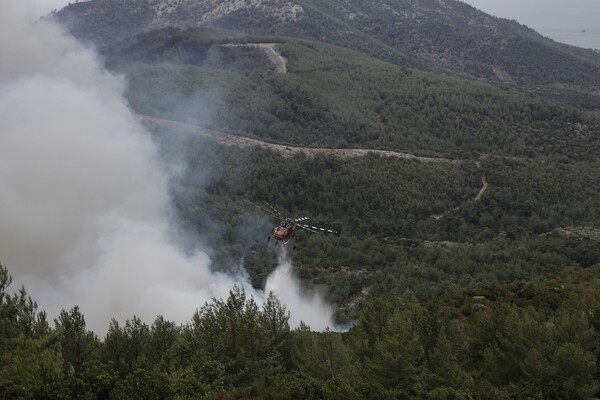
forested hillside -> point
(442, 36)
(339, 98)
(516, 341)
(413, 225)
(467, 269)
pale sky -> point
(45, 6)
(561, 20)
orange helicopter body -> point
(285, 231)
(287, 228)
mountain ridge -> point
(441, 36)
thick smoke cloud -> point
(84, 203)
(309, 308)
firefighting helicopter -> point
(287, 228)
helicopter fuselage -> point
(285, 231)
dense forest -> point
(467, 271)
(335, 97)
(535, 340)
(407, 225)
(495, 298)
(450, 297)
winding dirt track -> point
(288, 151)
(485, 184)
(276, 57)
(285, 150)
(270, 49)
(280, 63)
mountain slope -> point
(336, 97)
(437, 35)
(105, 23)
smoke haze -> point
(287, 289)
(84, 202)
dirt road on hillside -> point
(484, 187)
(288, 151)
(270, 50)
(285, 150)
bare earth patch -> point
(285, 150)
(270, 49)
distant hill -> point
(437, 35)
(337, 97)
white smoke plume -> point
(84, 203)
(308, 308)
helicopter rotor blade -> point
(307, 228)
(317, 229)
(271, 210)
(301, 219)
(274, 210)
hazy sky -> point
(48, 5)
(561, 20)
